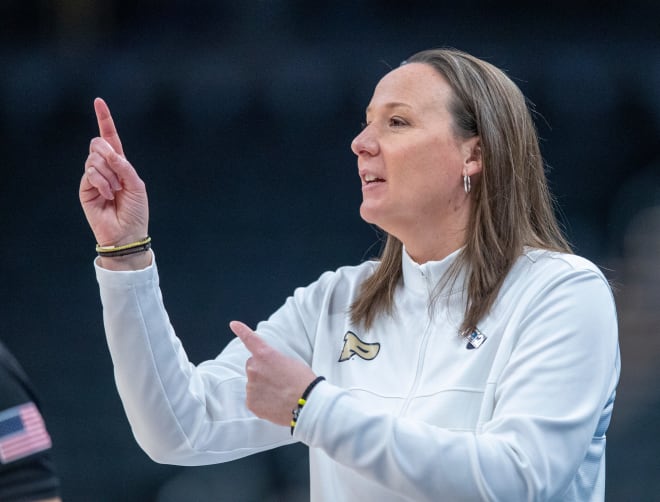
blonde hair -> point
(512, 206)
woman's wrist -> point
(137, 261)
(132, 255)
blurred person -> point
(476, 359)
(27, 471)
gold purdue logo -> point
(353, 346)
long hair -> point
(512, 206)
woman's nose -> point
(364, 142)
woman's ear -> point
(472, 156)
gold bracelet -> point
(124, 249)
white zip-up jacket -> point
(408, 411)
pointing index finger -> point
(107, 127)
(249, 338)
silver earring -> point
(466, 183)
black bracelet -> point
(301, 402)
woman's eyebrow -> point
(389, 106)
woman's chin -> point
(369, 214)
(375, 216)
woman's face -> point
(410, 161)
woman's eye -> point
(397, 122)
(363, 125)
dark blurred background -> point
(239, 116)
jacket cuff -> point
(324, 402)
(126, 278)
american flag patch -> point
(22, 433)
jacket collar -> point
(426, 277)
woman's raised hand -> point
(112, 194)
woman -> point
(477, 359)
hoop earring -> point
(466, 183)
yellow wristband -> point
(125, 249)
(110, 249)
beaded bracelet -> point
(301, 402)
(125, 249)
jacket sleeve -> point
(549, 401)
(179, 413)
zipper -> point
(420, 359)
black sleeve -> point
(27, 471)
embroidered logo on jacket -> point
(353, 346)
